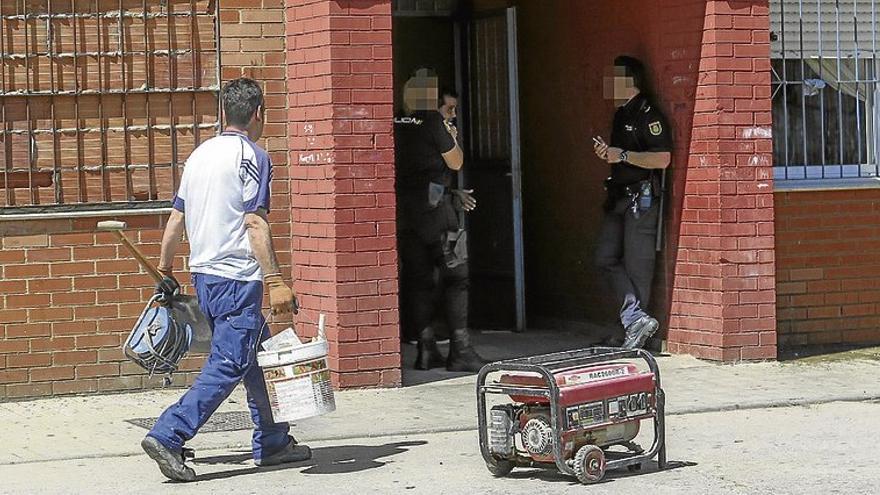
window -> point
(420, 8)
(103, 99)
(825, 112)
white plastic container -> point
(298, 379)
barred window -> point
(102, 100)
(824, 63)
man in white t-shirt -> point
(223, 202)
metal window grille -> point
(419, 8)
(101, 98)
(825, 91)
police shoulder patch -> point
(655, 128)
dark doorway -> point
(475, 55)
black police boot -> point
(429, 354)
(170, 462)
(639, 331)
(462, 356)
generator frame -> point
(546, 366)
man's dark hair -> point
(444, 92)
(241, 99)
(635, 69)
(447, 91)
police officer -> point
(640, 148)
(429, 234)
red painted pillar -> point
(723, 285)
(342, 181)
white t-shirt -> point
(224, 178)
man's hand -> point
(167, 288)
(613, 155)
(605, 152)
(451, 129)
(281, 297)
(600, 148)
(166, 271)
(463, 199)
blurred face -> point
(618, 86)
(449, 108)
(421, 94)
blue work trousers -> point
(233, 308)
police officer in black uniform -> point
(640, 149)
(427, 155)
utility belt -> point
(437, 193)
(641, 195)
(453, 241)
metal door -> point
(493, 170)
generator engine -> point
(598, 405)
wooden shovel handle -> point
(155, 273)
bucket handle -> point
(322, 318)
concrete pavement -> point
(95, 426)
(826, 448)
(70, 436)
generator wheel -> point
(589, 464)
(499, 467)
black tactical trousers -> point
(625, 254)
(419, 286)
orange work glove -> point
(281, 297)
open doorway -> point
(475, 55)
(474, 51)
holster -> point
(455, 248)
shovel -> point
(184, 309)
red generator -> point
(575, 411)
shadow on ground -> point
(325, 460)
(498, 345)
(552, 475)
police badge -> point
(655, 128)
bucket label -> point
(297, 394)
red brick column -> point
(342, 188)
(723, 299)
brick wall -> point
(723, 285)
(828, 264)
(342, 169)
(83, 138)
(69, 295)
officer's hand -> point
(464, 200)
(613, 155)
(451, 129)
(167, 288)
(600, 148)
(281, 297)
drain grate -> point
(223, 421)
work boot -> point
(462, 356)
(292, 452)
(170, 462)
(429, 354)
(639, 331)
